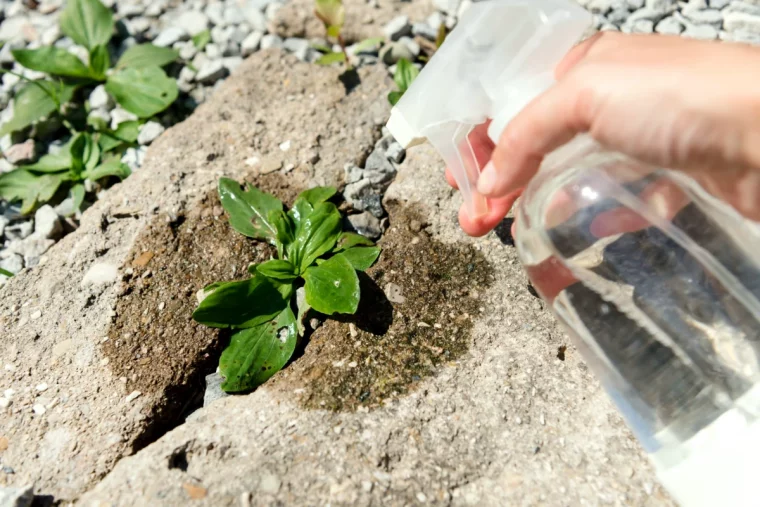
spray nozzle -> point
(500, 56)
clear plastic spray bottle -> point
(667, 314)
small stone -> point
(215, 13)
(65, 208)
(704, 17)
(642, 26)
(254, 17)
(285, 146)
(169, 36)
(213, 388)
(366, 224)
(392, 52)
(193, 22)
(119, 116)
(411, 45)
(397, 28)
(718, 4)
(702, 32)
(741, 22)
(269, 484)
(47, 224)
(5, 403)
(22, 153)
(394, 293)
(447, 6)
(379, 170)
(13, 263)
(424, 30)
(149, 132)
(271, 41)
(653, 15)
(42, 387)
(669, 26)
(50, 35)
(294, 44)
(421, 497)
(99, 116)
(395, 152)
(213, 51)
(187, 50)
(211, 72)
(314, 323)
(31, 249)
(39, 409)
(251, 43)
(19, 231)
(132, 396)
(36, 315)
(16, 497)
(100, 274)
(99, 98)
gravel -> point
(149, 132)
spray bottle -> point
(666, 315)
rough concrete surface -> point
(74, 411)
(507, 423)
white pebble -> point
(285, 146)
(133, 396)
(39, 409)
(42, 387)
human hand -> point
(668, 101)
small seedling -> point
(5, 273)
(405, 73)
(201, 39)
(264, 311)
(333, 15)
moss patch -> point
(389, 346)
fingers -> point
(547, 123)
(482, 225)
(577, 54)
(450, 179)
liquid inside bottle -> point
(659, 285)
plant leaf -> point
(316, 235)
(405, 73)
(332, 14)
(6, 273)
(277, 269)
(52, 60)
(369, 45)
(33, 102)
(77, 196)
(146, 55)
(51, 163)
(332, 287)
(16, 185)
(242, 304)
(394, 97)
(300, 210)
(145, 91)
(349, 240)
(85, 154)
(111, 167)
(440, 37)
(330, 58)
(322, 48)
(361, 257)
(126, 132)
(249, 209)
(255, 354)
(285, 230)
(317, 195)
(200, 39)
(88, 22)
(100, 61)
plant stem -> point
(6, 273)
(349, 67)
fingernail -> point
(487, 179)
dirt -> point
(387, 348)
(154, 346)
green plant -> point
(136, 82)
(81, 159)
(5, 273)
(333, 15)
(405, 73)
(266, 315)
